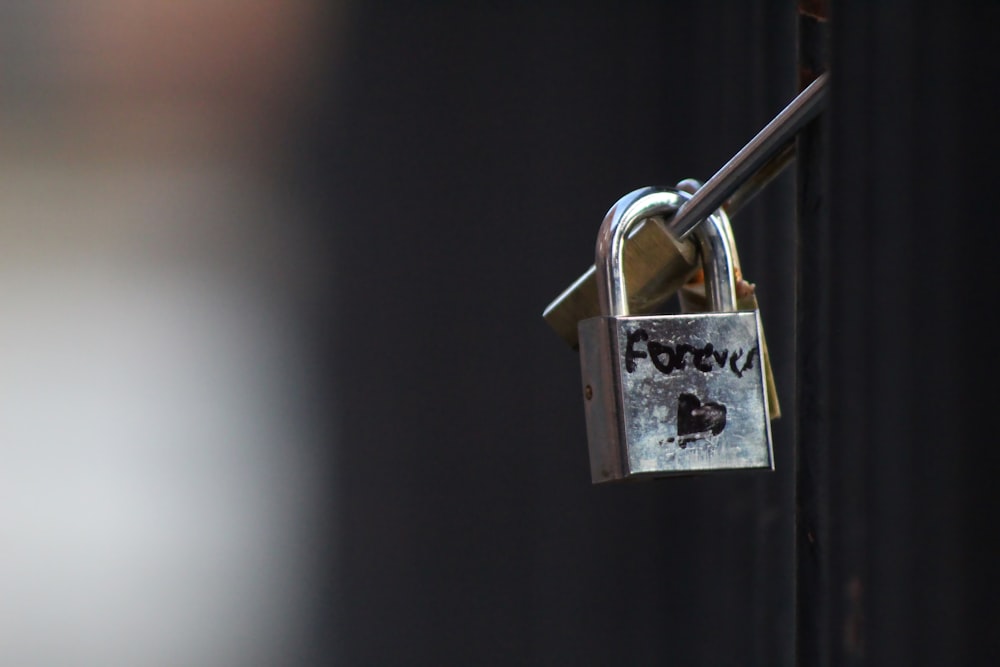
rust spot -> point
(588, 393)
(744, 289)
(854, 644)
(815, 9)
(698, 277)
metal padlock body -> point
(671, 394)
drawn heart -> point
(693, 416)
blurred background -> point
(165, 433)
(275, 388)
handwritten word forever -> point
(667, 358)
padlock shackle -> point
(712, 235)
(715, 244)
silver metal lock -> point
(672, 394)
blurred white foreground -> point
(158, 488)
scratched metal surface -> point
(734, 387)
(672, 416)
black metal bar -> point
(812, 329)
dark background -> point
(464, 166)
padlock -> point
(671, 394)
(658, 266)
